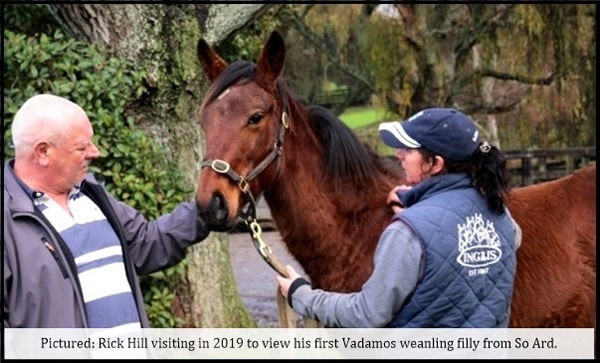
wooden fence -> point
(536, 166)
(326, 99)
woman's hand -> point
(393, 201)
(284, 283)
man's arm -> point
(5, 296)
(155, 245)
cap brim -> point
(394, 135)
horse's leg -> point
(286, 315)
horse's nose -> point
(219, 207)
(215, 214)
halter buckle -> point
(244, 185)
(285, 121)
(220, 166)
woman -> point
(447, 259)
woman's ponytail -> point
(487, 169)
(489, 176)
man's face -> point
(73, 154)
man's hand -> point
(284, 283)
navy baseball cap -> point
(444, 131)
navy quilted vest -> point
(470, 260)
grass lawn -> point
(365, 122)
(356, 117)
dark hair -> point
(487, 171)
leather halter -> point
(248, 214)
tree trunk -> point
(161, 39)
(487, 86)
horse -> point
(555, 284)
(327, 192)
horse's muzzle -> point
(215, 214)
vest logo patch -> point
(478, 244)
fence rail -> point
(326, 99)
(535, 166)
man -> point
(72, 253)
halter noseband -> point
(243, 182)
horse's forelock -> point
(231, 75)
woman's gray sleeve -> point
(397, 263)
(518, 232)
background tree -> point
(511, 66)
(328, 36)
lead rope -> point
(263, 248)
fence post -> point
(569, 163)
(543, 169)
(526, 172)
(286, 315)
(584, 160)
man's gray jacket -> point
(41, 288)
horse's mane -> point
(348, 160)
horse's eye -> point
(254, 119)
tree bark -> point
(161, 39)
(487, 86)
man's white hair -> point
(43, 117)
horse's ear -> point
(270, 63)
(211, 62)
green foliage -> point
(393, 71)
(159, 294)
(557, 39)
(29, 19)
(331, 38)
(249, 41)
(134, 168)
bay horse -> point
(327, 193)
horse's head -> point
(243, 121)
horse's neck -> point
(299, 191)
(322, 227)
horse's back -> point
(556, 267)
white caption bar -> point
(300, 343)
